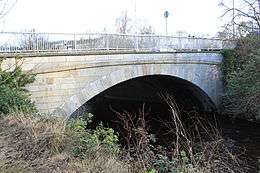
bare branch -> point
(246, 18)
(5, 7)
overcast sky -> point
(197, 17)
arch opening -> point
(144, 92)
(133, 93)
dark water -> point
(243, 134)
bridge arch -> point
(198, 79)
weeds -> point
(138, 140)
(194, 147)
(37, 143)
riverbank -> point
(245, 135)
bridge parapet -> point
(32, 43)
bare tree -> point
(6, 6)
(146, 30)
(245, 18)
(123, 23)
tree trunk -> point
(259, 5)
(258, 18)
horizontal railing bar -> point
(111, 34)
(33, 42)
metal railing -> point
(31, 42)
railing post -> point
(136, 43)
(107, 40)
(75, 42)
(159, 43)
(37, 49)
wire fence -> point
(31, 42)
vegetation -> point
(31, 142)
(85, 141)
(13, 96)
(35, 143)
(242, 79)
(243, 18)
(196, 146)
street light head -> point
(166, 14)
(221, 4)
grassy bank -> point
(35, 143)
(38, 143)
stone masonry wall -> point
(64, 83)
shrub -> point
(13, 100)
(85, 142)
(13, 95)
(242, 79)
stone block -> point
(67, 82)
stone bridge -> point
(64, 83)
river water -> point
(242, 134)
(245, 135)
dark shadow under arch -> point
(146, 90)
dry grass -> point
(27, 141)
(34, 143)
(101, 163)
(214, 153)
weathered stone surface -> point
(64, 83)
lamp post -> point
(259, 13)
(135, 27)
(135, 18)
(259, 5)
(233, 18)
(166, 15)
